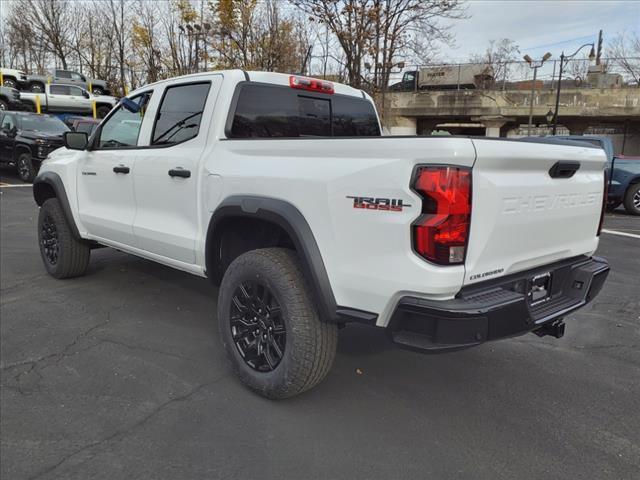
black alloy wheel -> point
(257, 326)
(49, 239)
(25, 168)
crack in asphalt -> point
(145, 349)
(57, 357)
(120, 434)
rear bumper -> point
(497, 308)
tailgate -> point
(521, 216)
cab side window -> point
(8, 122)
(180, 113)
(75, 91)
(122, 128)
(59, 90)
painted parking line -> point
(622, 234)
(15, 185)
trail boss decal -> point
(376, 203)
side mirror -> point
(75, 140)
(85, 94)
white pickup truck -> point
(61, 98)
(280, 190)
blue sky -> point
(542, 25)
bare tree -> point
(498, 56)
(409, 29)
(352, 22)
(624, 52)
(383, 32)
(52, 21)
(120, 37)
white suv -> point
(281, 190)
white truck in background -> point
(62, 98)
(280, 189)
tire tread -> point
(74, 254)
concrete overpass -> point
(501, 112)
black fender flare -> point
(291, 220)
(54, 181)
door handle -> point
(179, 172)
(121, 169)
(564, 169)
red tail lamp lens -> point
(441, 233)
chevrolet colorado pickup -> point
(281, 190)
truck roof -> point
(265, 77)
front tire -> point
(3, 105)
(632, 199)
(10, 82)
(97, 91)
(26, 170)
(36, 88)
(64, 255)
(276, 342)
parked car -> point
(37, 83)
(13, 78)
(10, 99)
(281, 189)
(26, 139)
(623, 172)
(61, 98)
(82, 124)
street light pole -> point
(555, 115)
(563, 57)
(535, 66)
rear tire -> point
(36, 88)
(64, 255)
(632, 199)
(264, 299)
(3, 105)
(97, 91)
(26, 170)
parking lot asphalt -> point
(120, 374)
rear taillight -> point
(605, 194)
(441, 233)
(312, 84)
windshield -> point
(38, 123)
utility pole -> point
(599, 52)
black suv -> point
(26, 139)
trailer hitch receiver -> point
(555, 329)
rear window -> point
(272, 111)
